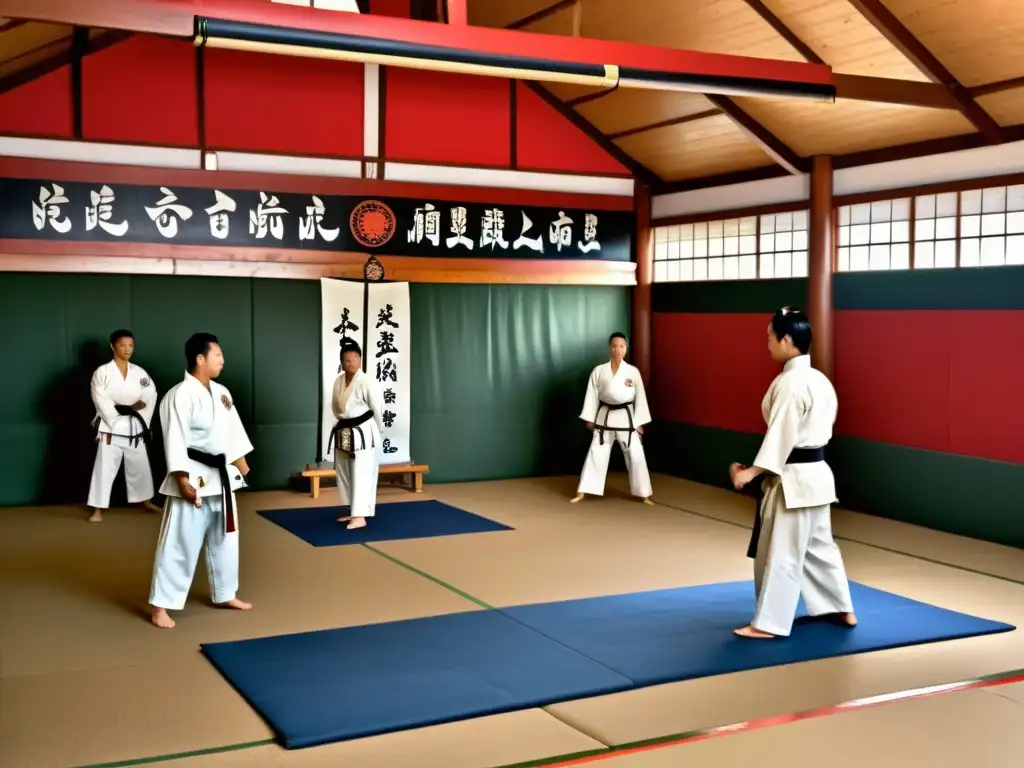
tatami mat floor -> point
(84, 679)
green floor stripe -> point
(879, 547)
(427, 576)
(182, 755)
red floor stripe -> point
(768, 722)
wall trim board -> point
(439, 181)
(960, 288)
(241, 262)
(969, 164)
(729, 296)
(962, 495)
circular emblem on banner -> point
(372, 223)
(373, 270)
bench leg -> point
(418, 482)
(314, 483)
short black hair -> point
(351, 345)
(197, 344)
(121, 333)
(616, 335)
(792, 322)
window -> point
(992, 226)
(874, 236)
(935, 235)
(773, 245)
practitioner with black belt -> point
(206, 445)
(358, 406)
(792, 545)
(125, 398)
(615, 409)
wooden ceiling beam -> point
(997, 87)
(888, 91)
(777, 149)
(785, 32)
(885, 21)
(851, 160)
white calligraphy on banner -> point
(385, 341)
(388, 360)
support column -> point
(642, 319)
(820, 264)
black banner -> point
(118, 213)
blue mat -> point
(321, 687)
(319, 526)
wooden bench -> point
(416, 471)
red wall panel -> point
(711, 369)
(142, 90)
(283, 104)
(546, 141)
(439, 117)
(401, 9)
(986, 410)
(892, 374)
(39, 108)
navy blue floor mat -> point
(685, 633)
(396, 520)
(320, 687)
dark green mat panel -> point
(945, 492)
(729, 296)
(498, 371)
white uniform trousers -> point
(357, 481)
(138, 477)
(183, 531)
(796, 555)
(595, 468)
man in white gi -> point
(792, 545)
(125, 398)
(615, 410)
(206, 446)
(356, 437)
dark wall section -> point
(498, 371)
(928, 371)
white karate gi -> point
(119, 437)
(607, 388)
(208, 421)
(796, 553)
(357, 473)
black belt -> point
(352, 423)
(609, 407)
(798, 456)
(220, 463)
(127, 410)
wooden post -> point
(642, 319)
(820, 264)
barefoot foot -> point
(576, 498)
(149, 506)
(161, 619)
(236, 604)
(96, 517)
(356, 522)
(849, 619)
(749, 631)
(648, 502)
(344, 519)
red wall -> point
(940, 380)
(144, 90)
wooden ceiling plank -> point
(663, 124)
(641, 172)
(768, 141)
(895, 32)
(785, 32)
(543, 13)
